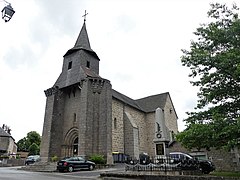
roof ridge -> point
(152, 96)
(126, 99)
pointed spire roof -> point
(82, 40)
(82, 43)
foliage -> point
(23, 145)
(193, 136)
(214, 61)
(218, 133)
(34, 137)
(4, 157)
(98, 159)
(32, 140)
(54, 159)
(33, 149)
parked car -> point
(205, 166)
(32, 159)
(74, 163)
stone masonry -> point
(85, 116)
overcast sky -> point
(138, 42)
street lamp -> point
(7, 12)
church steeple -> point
(82, 40)
(79, 62)
(82, 43)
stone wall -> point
(170, 116)
(98, 132)
(140, 121)
(71, 111)
(46, 133)
(131, 133)
(150, 121)
(130, 139)
(57, 125)
(4, 141)
(117, 126)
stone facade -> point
(85, 116)
(134, 129)
(8, 147)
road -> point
(12, 173)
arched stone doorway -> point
(71, 143)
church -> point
(85, 116)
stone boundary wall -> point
(114, 176)
(12, 162)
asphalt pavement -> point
(13, 173)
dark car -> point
(32, 159)
(205, 166)
(74, 163)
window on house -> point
(115, 123)
(70, 65)
(88, 64)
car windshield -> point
(74, 159)
(180, 156)
(33, 157)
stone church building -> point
(85, 116)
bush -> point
(98, 159)
(54, 159)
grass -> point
(225, 174)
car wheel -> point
(60, 170)
(90, 167)
(70, 169)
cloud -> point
(139, 43)
(20, 56)
(62, 15)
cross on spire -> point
(85, 15)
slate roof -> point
(4, 133)
(151, 103)
(82, 43)
(147, 104)
(125, 99)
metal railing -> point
(164, 163)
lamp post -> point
(7, 11)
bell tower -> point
(78, 115)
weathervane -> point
(85, 15)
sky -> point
(138, 42)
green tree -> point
(22, 145)
(34, 137)
(193, 136)
(214, 61)
(32, 140)
(33, 149)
